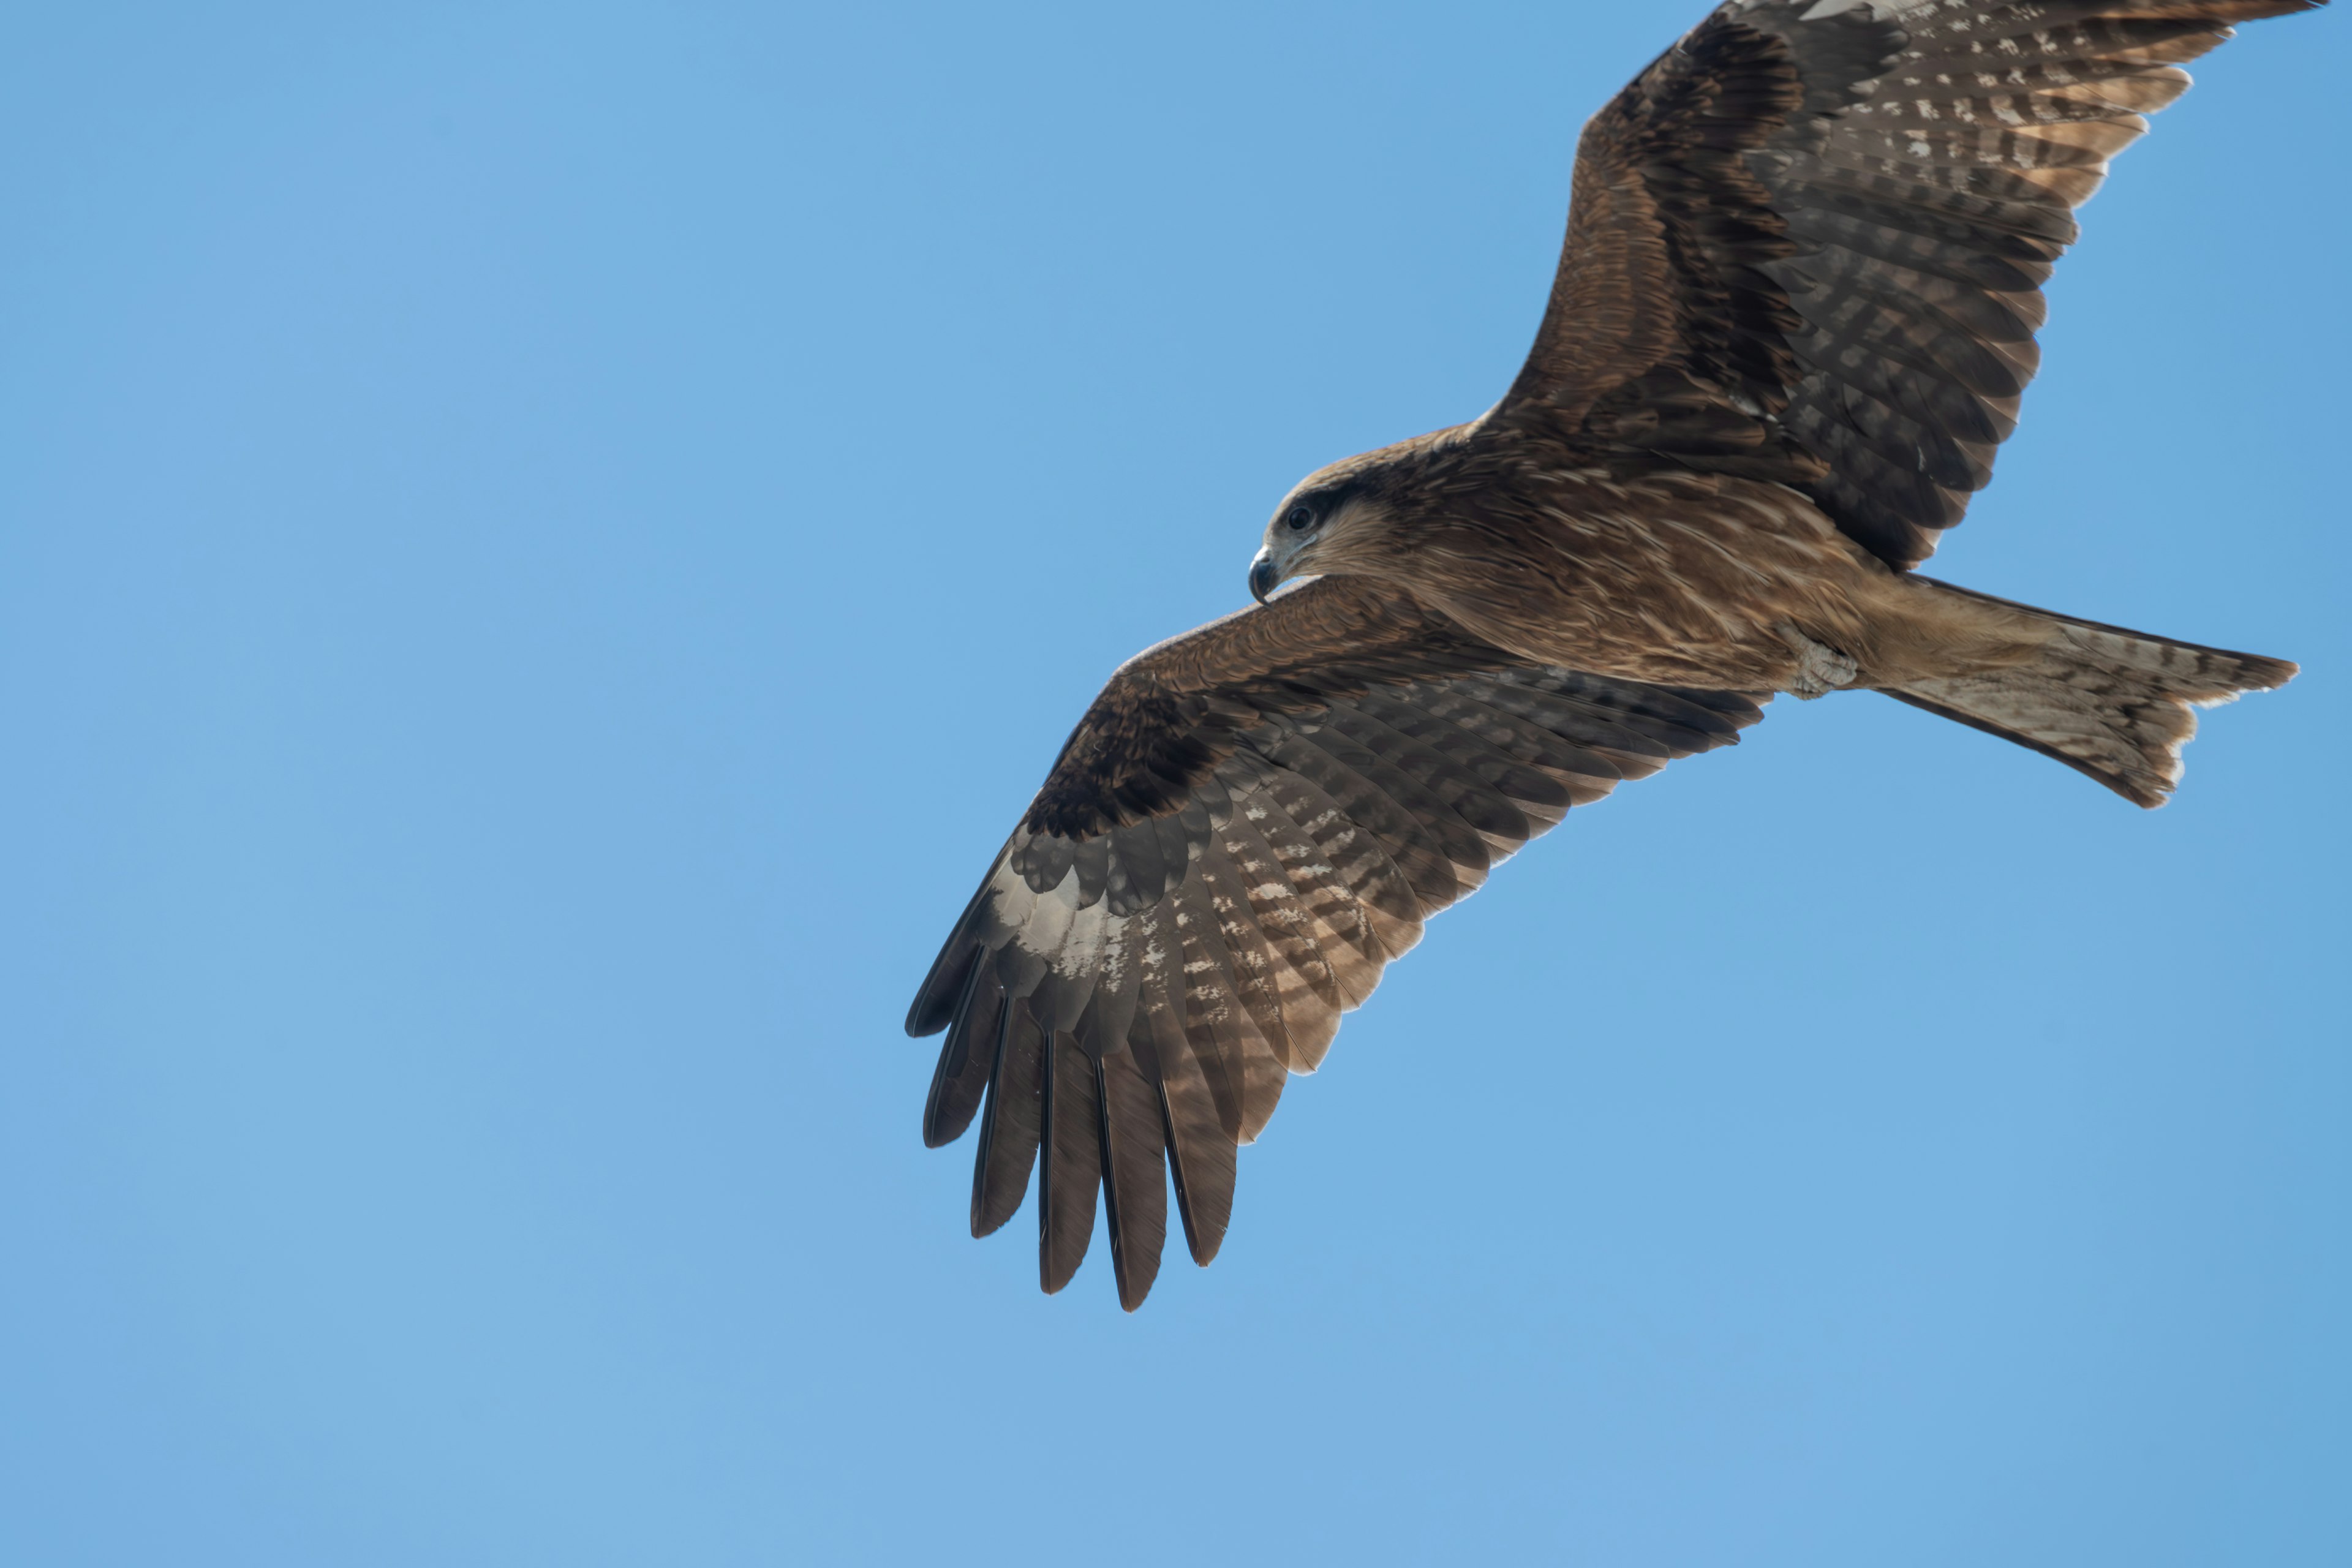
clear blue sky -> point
(543, 548)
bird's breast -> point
(1682, 579)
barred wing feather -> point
(1251, 823)
(1808, 243)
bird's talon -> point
(1821, 669)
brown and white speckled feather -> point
(1342, 766)
(1808, 243)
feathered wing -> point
(1808, 243)
(1251, 821)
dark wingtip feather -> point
(934, 1006)
(1134, 1178)
(1069, 1167)
(967, 1059)
(1201, 1166)
(1007, 1147)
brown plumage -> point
(1792, 320)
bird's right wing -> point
(1808, 243)
(1251, 821)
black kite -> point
(1791, 322)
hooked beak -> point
(1264, 575)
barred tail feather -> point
(2116, 704)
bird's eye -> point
(1299, 519)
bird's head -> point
(1359, 518)
(1331, 523)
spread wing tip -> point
(937, 999)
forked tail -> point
(2116, 704)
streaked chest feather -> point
(1680, 578)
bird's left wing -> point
(1248, 824)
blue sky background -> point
(542, 548)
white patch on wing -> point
(1076, 942)
(1094, 945)
(1014, 901)
(1048, 925)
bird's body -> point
(1793, 317)
(1678, 577)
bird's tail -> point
(2116, 704)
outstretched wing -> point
(1250, 822)
(1808, 243)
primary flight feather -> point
(1791, 322)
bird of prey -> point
(1791, 322)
